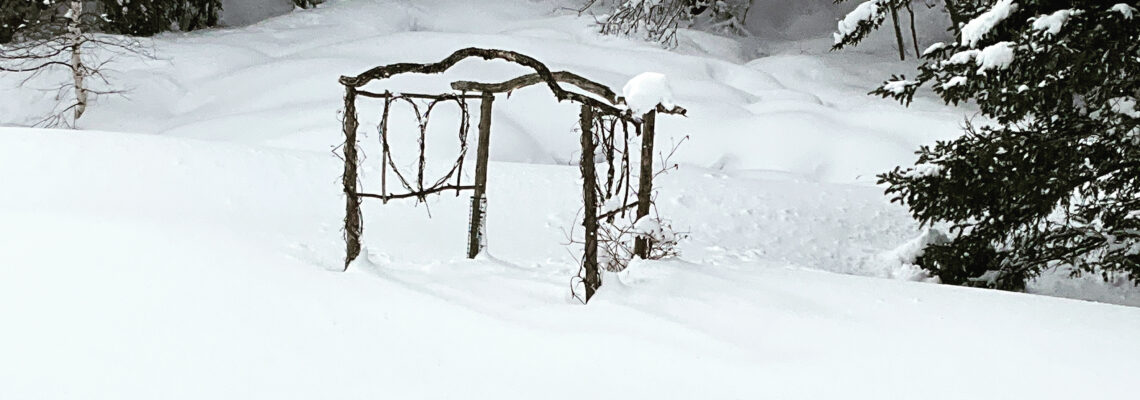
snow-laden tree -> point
(148, 17)
(1052, 178)
(870, 15)
(130, 17)
(21, 16)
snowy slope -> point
(800, 113)
(273, 83)
(143, 267)
(187, 243)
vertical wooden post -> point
(593, 279)
(352, 217)
(475, 239)
(645, 179)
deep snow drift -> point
(194, 250)
(139, 267)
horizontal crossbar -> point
(416, 95)
(416, 194)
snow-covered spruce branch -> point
(1052, 181)
(869, 16)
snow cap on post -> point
(644, 92)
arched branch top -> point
(596, 88)
(542, 75)
(388, 71)
(527, 80)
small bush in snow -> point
(616, 242)
(658, 20)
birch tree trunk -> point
(75, 31)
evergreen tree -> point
(870, 15)
(1053, 178)
(149, 17)
(22, 17)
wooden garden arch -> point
(601, 100)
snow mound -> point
(900, 262)
(647, 90)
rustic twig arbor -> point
(601, 110)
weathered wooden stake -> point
(590, 199)
(645, 179)
(475, 235)
(352, 223)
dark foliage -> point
(149, 17)
(1053, 179)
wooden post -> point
(352, 217)
(645, 179)
(593, 279)
(475, 239)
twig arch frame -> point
(606, 102)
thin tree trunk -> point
(898, 33)
(913, 34)
(77, 69)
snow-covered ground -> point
(186, 244)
